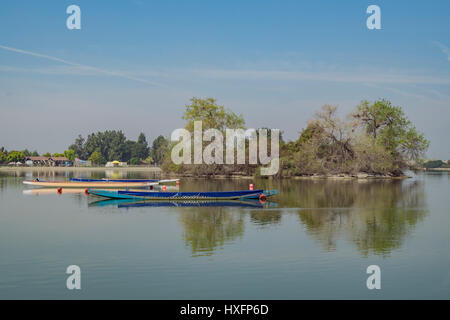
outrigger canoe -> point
(112, 180)
(88, 184)
(154, 195)
(123, 180)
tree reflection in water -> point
(375, 216)
(265, 217)
(205, 229)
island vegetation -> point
(376, 139)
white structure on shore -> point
(115, 163)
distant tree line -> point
(434, 164)
(101, 147)
(15, 155)
(113, 145)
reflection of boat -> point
(154, 195)
(129, 203)
(37, 192)
(87, 184)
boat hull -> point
(87, 184)
(218, 195)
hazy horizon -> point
(134, 66)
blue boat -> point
(215, 195)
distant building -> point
(82, 163)
(18, 163)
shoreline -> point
(311, 177)
(359, 176)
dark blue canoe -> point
(215, 195)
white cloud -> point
(79, 66)
(266, 73)
(342, 77)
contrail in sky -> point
(107, 72)
(444, 49)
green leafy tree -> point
(134, 161)
(212, 115)
(79, 147)
(70, 154)
(97, 158)
(3, 157)
(160, 149)
(35, 153)
(15, 156)
(141, 148)
(47, 154)
(56, 154)
(111, 144)
(129, 150)
(390, 127)
(431, 164)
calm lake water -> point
(314, 241)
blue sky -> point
(135, 64)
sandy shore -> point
(79, 169)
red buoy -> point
(178, 183)
(251, 186)
(164, 188)
(262, 197)
(59, 190)
(86, 191)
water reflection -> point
(376, 217)
(127, 203)
(205, 230)
(265, 217)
